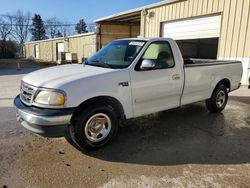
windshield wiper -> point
(99, 63)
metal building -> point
(83, 45)
(202, 28)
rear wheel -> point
(218, 101)
(95, 127)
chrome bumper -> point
(42, 120)
(46, 122)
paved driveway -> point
(185, 147)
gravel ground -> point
(184, 147)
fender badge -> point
(123, 84)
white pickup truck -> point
(126, 79)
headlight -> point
(51, 98)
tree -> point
(5, 27)
(10, 49)
(20, 22)
(37, 29)
(53, 27)
(66, 29)
(7, 47)
(81, 27)
(5, 32)
(59, 34)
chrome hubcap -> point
(97, 127)
(220, 99)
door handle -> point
(176, 77)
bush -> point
(8, 49)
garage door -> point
(196, 28)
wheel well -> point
(224, 82)
(104, 100)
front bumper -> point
(45, 122)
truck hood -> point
(53, 77)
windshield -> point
(117, 54)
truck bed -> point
(202, 75)
(192, 62)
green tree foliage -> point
(37, 29)
(81, 27)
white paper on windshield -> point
(136, 43)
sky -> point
(72, 11)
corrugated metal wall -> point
(84, 46)
(234, 42)
(109, 32)
(47, 49)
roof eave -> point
(61, 38)
(135, 10)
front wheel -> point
(95, 127)
(218, 101)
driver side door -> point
(159, 88)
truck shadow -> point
(15, 71)
(182, 136)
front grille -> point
(27, 93)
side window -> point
(161, 53)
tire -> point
(219, 99)
(95, 127)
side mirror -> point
(147, 64)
